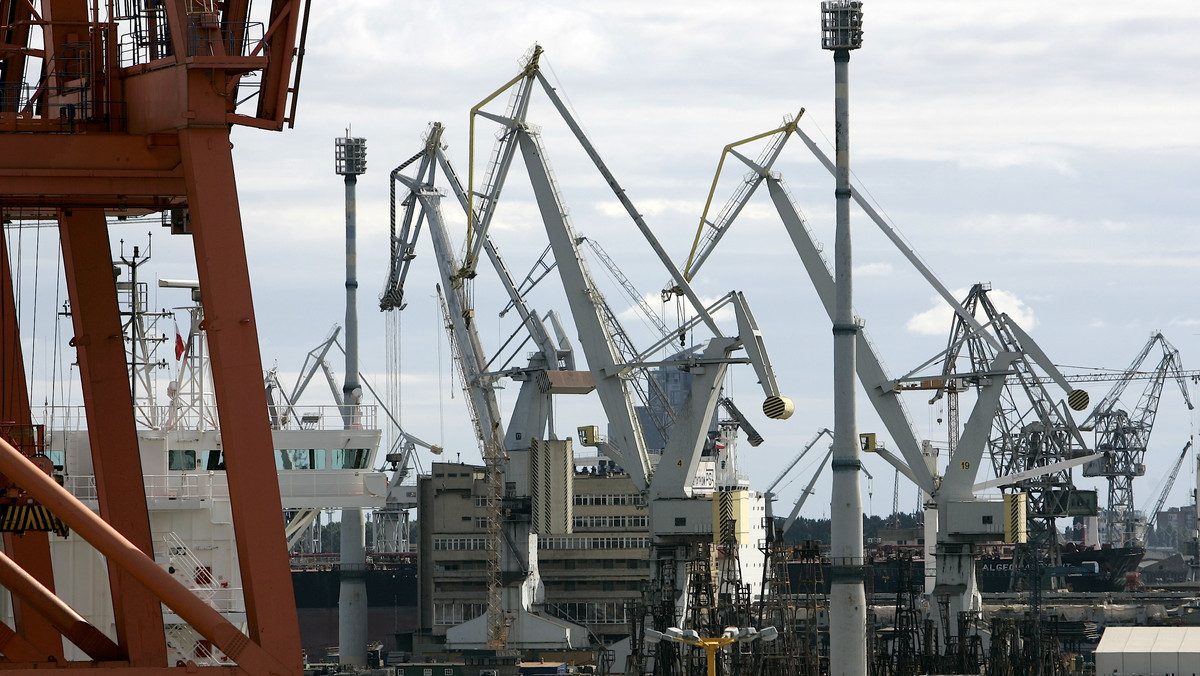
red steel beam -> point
(32, 550)
(90, 154)
(112, 432)
(276, 77)
(241, 402)
(17, 649)
(121, 552)
(14, 36)
(88, 638)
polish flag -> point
(180, 345)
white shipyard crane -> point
(512, 521)
(807, 491)
(677, 515)
(964, 519)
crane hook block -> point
(778, 408)
(1077, 400)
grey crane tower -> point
(350, 161)
(841, 31)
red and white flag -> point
(180, 344)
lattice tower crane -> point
(493, 460)
(1124, 435)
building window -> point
(588, 499)
(607, 612)
(584, 542)
(609, 521)
(459, 544)
(456, 612)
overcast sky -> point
(1050, 149)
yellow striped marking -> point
(21, 518)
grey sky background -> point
(1051, 149)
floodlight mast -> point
(350, 161)
(841, 31)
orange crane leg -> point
(241, 400)
(32, 550)
(112, 432)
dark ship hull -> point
(1086, 570)
(391, 601)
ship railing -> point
(74, 418)
(225, 600)
(61, 418)
(284, 417)
(332, 560)
(353, 487)
(179, 486)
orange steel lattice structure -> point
(125, 107)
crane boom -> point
(1152, 517)
(799, 456)
(752, 434)
(808, 490)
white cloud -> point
(936, 320)
(649, 207)
(873, 270)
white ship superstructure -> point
(320, 466)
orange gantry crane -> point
(111, 107)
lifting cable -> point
(56, 357)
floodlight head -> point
(747, 634)
(350, 156)
(841, 24)
(674, 633)
(691, 636)
(730, 632)
(768, 634)
(652, 636)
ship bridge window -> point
(214, 460)
(300, 458)
(181, 459)
(349, 458)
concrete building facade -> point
(593, 571)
